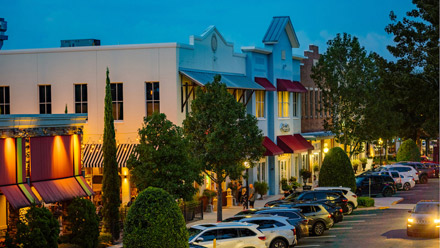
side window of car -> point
(332, 197)
(209, 235)
(306, 209)
(227, 233)
(244, 232)
(308, 196)
(395, 174)
(321, 195)
(278, 224)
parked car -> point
(402, 169)
(278, 231)
(424, 172)
(434, 167)
(395, 175)
(234, 235)
(424, 219)
(351, 197)
(335, 211)
(408, 182)
(319, 218)
(374, 185)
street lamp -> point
(247, 166)
(380, 151)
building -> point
(80, 42)
(163, 77)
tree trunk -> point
(427, 147)
(219, 201)
(386, 151)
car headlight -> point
(410, 220)
(436, 221)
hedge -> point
(336, 170)
(365, 201)
(408, 151)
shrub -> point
(305, 174)
(155, 220)
(316, 168)
(365, 201)
(363, 160)
(38, 229)
(210, 194)
(284, 185)
(336, 170)
(261, 188)
(105, 239)
(408, 151)
(81, 213)
(292, 180)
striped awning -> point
(93, 155)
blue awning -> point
(236, 81)
(318, 135)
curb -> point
(394, 203)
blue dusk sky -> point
(43, 23)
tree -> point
(408, 151)
(416, 70)
(155, 221)
(111, 180)
(342, 74)
(84, 223)
(336, 170)
(164, 159)
(221, 135)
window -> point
(316, 104)
(153, 97)
(244, 232)
(45, 99)
(283, 104)
(4, 100)
(295, 104)
(209, 235)
(306, 105)
(261, 172)
(81, 98)
(320, 195)
(118, 101)
(259, 103)
(239, 95)
(228, 233)
(321, 107)
(283, 169)
(311, 104)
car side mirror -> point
(200, 239)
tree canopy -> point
(221, 135)
(336, 170)
(164, 159)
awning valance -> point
(93, 155)
(293, 143)
(268, 86)
(291, 86)
(62, 189)
(318, 135)
(19, 195)
(271, 148)
(232, 80)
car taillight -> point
(294, 231)
(354, 196)
(433, 171)
(262, 238)
(340, 210)
(345, 200)
(329, 215)
(305, 221)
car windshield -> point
(233, 219)
(359, 180)
(193, 232)
(292, 196)
(427, 208)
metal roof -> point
(276, 28)
(237, 81)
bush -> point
(81, 213)
(261, 188)
(105, 239)
(363, 160)
(292, 180)
(305, 174)
(68, 245)
(155, 220)
(336, 170)
(316, 168)
(408, 151)
(365, 201)
(284, 185)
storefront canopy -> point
(93, 155)
(293, 143)
(271, 148)
(291, 86)
(318, 135)
(236, 81)
(19, 195)
(62, 189)
(268, 86)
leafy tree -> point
(408, 151)
(155, 221)
(81, 213)
(336, 170)
(164, 160)
(111, 180)
(416, 70)
(222, 136)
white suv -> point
(233, 235)
(351, 197)
(408, 182)
(278, 231)
(403, 169)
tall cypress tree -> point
(111, 180)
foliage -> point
(363, 160)
(356, 162)
(284, 185)
(39, 229)
(315, 167)
(163, 159)
(68, 245)
(336, 170)
(105, 239)
(305, 174)
(408, 151)
(111, 180)
(292, 180)
(210, 194)
(261, 188)
(222, 136)
(81, 213)
(155, 221)
(365, 201)
(416, 48)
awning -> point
(268, 86)
(93, 155)
(294, 143)
(19, 195)
(62, 189)
(291, 86)
(271, 148)
(232, 80)
(318, 135)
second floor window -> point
(81, 98)
(295, 104)
(259, 103)
(45, 99)
(283, 103)
(153, 97)
(4, 100)
(316, 104)
(117, 100)
(306, 110)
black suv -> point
(375, 184)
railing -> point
(192, 212)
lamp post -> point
(247, 166)
(380, 151)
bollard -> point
(229, 198)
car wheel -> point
(406, 186)
(278, 243)
(350, 208)
(388, 192)
(408, 233)
(424, 179)
(318, 229)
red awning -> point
(60, 189)
(265, 83)
(291, 86)
(19, 195)
(271, 148)
(294, 143)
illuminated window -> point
(259, 103)
(239, 95)
(45, 99)
(81, 98)
(295, 104)
(283, 104)
(4, 100)
(153, 98)
(117, 100)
